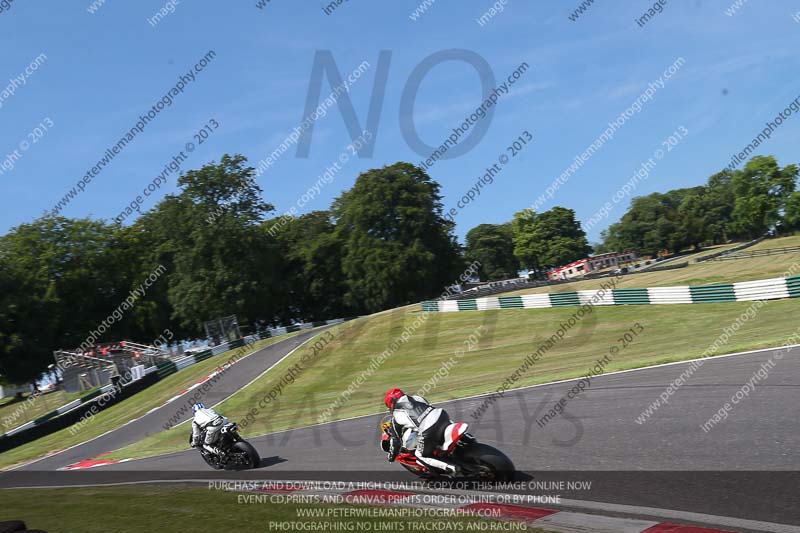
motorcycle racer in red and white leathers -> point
(421, 426)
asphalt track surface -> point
(746, 467)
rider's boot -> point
(211, 449)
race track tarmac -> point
(747, 466)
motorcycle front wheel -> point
(248, 456)
(210, 461)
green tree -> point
(692, 220)
(526, 247)
(28, 322)
(150, 243)
(549, 239)
(718, 206)
(397, 246)
(761, 189)
(792, 212)
(59, 279)
(211, 236)
(313, 266)
(654, 223)
(492, 245)
(743, 204)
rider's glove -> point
(394, 449)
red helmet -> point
(392, 395)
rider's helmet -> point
(392, 395)
(197, 406)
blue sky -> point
(104, 69)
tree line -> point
(732, 205)
(381, 244)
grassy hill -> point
(15, 413)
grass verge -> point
(126, 410)
(670, 333)
(14, 414)
(184, 507)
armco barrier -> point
(202, 356)
(238, 343)
(166, 368)
(714, 256)
(764, 252)
(766, 289)
(671, 266)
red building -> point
(590, 264)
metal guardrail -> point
(714, 256)
(758, 253)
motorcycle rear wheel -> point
(496, 465)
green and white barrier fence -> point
(766, 289)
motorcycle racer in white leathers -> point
(422, 428)
(209, 420)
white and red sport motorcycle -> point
(472, 458)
